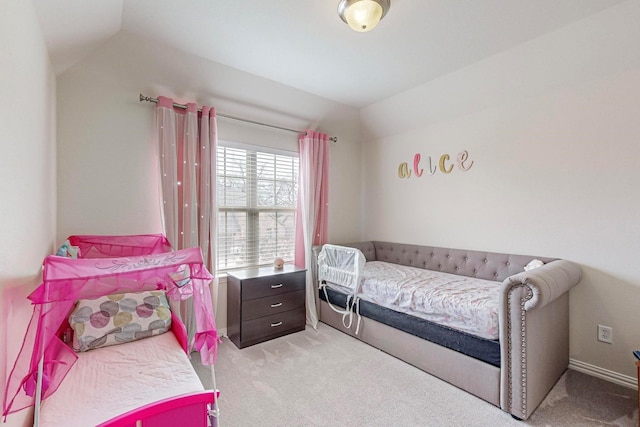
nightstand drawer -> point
(260, 307)
(272, 285)
(269, 327)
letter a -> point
(403, 170)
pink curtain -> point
(313, 199)
(187, 143)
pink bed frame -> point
(186, 410)
(117, 260)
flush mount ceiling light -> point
(363, 15)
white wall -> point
(552, 127)
(107, 159)
(27, 174)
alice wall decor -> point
(445, 165)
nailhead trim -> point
(523, 349)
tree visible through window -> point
(257, 205)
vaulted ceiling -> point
(305, 45)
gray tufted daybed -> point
(514, 372)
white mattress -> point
(464, 303)
(109, 381)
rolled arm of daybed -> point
(546, 283)
(534, 334)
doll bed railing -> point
(341, 267)
(44, 359)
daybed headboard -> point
(483, 265)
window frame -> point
(252, 210)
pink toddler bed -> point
(114, 305)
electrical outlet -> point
(605, 334)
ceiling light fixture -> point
(363, 15)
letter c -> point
(443, 168)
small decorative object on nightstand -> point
(265, 303)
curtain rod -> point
(184, 107)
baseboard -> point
(605, 374)
(222, 332)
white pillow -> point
(535, 263)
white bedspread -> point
(109, 381)
(460, 302)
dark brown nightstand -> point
(265, 303)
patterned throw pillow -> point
(119, 318)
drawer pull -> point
(273, 325)
(276, 305)
(279, 285)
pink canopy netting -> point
(181, 274)
(92, 246)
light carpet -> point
(326, 378)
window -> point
(257, 189)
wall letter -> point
(432, 169)
(416, 164)
(403, 170)
(463, 156)
(443, 168)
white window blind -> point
(257, 206)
